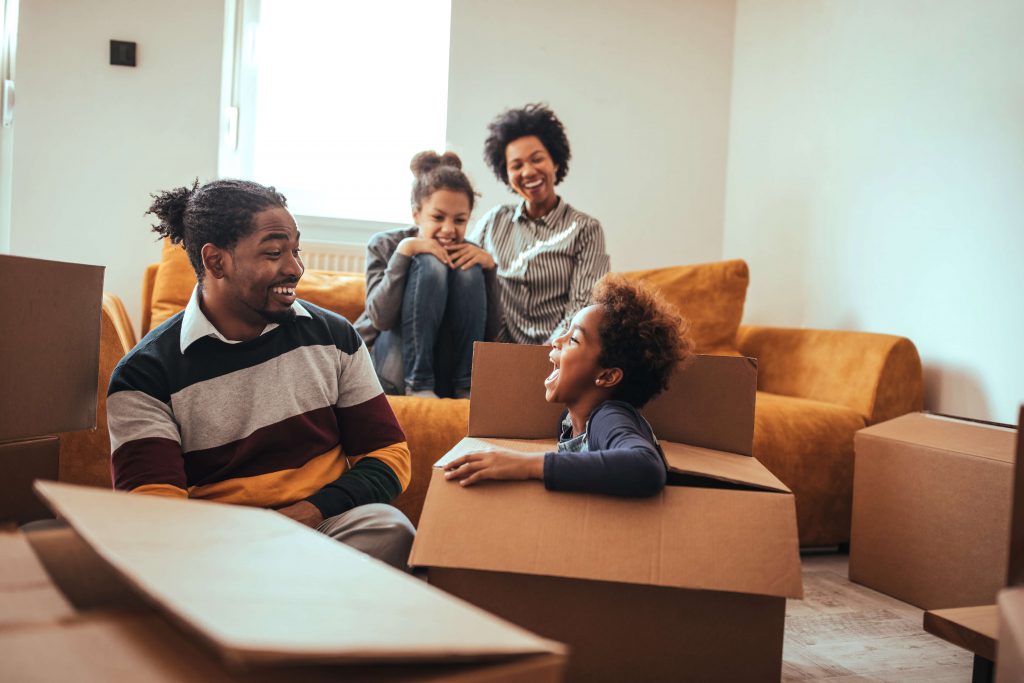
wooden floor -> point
(842, 632)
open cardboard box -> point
(49, 363)
(931, 509)
(144, 588)
(690, 584)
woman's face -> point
(443, 216)
(531, 171)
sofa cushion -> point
(709, 295)
(809, 446)
(343, 293)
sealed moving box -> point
(689, 585)
(49, 362)
(931, 510)
(145, 588)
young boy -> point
(616, 356)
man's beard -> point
(279, 317)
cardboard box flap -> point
(966, 437)
(709, 403)
(261, 588)
(692, 464)
(49, 355)
(686, 537)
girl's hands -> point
(495, 463)
(465, 255)
(411, 246)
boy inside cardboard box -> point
(687, 584)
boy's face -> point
(574, 355)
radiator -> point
(338, 256)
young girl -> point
(616, 355)
(428, 289)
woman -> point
(427, 288)
(548, 254)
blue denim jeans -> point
(439, 303)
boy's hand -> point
(495, 463)
(465, 255)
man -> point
(250, 396)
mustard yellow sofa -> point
(816, 387)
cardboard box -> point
(233, 594)
(931, 510)
(49, 363)
(1010, 651)
(690, 584)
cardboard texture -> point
(975, 629)
(50, 355)
(21, 463)
(43, 639)
(260, 588)
(931, 510)
(1010, 653)
(690, 584)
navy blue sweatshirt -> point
(619, 457)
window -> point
(334, 98)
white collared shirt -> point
(195, 325)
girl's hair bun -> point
(425, 162)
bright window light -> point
(346, 93)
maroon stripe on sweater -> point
(285, 445)
(147, 461)
(368, 426)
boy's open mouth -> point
(553, 377)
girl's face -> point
(574, 355)
(443, 216)
(531, 171)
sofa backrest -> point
(710, 295)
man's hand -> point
(303, 512)
(465, 255)
(411, 246)
(495, 463)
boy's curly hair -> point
(642, 334)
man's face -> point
(261, 272)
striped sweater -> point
(295, 414)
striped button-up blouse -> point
(546, 267)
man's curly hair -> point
(533, 119)
(641, 334)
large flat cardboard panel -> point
(685, 537)
(49, 355)
(622, 632)
(709, 403)
(21, 463)
(261, 588)
(26, 593)
(931, 522)
(1010, 652)
(128, 648)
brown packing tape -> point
(49, 358)
(709, 403)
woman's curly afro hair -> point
(641, 334)
(533, 119)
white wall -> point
(643, 89)
(876, 181)
(92, 140)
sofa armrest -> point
(148, 283)
(878, 375)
